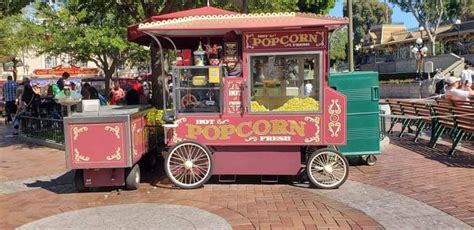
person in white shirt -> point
(308, 88)
(453, 93)
(466, 75)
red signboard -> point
(59, 70)
(285, 40)
(251, 130)
(233, 95)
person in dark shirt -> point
(29, 94)
(89, 92)
(61, 80)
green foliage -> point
(460, 9)
(12, 7)
(338, 45)
(367, 13)
(88, 31)
(310, 6)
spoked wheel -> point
(189, 165)
(189, 101)
(327, 168)
(79, 181)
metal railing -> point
(45, 129)
(383, 128)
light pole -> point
(457, 23)
(420, 52)
(373, 52)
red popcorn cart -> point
(105, 146)
(259, 103)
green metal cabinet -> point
(362, 92)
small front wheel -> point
(371, 160)
(79, 181)
(132, 177)
(189, 165)
(327, 169)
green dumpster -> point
(363, 132)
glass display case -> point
(197, 89)
(285, 82)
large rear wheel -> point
(327, 168)
(188, 165)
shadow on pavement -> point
(460, 158)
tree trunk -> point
(156, 82)
(15, 70)
(108, 76)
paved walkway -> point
(44, 190)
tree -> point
(428, 13)
(12, 7)
(462, 9)
(90, 31)
(367, 13)
(338, 43)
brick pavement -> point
(425, 174)
(244, 206)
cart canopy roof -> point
(210, 21)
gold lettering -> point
(226, 131)
(193, 131)
(313, 38)
(303, 38)
(256, 41)
(240, 129)
(211, 132)
(279, 127)
(275, 41)
(298, 127)
(256, 127)
(294, 38)
(284, 40)
(266, 42)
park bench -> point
(396, 110)
(424, 112)
(457, 122)
(408, 110)
(457, 103)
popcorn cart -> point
(104, 146)
(260, 105)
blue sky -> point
(398, 15)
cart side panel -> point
(139, 145)
(335, 110)
(256, 160)
(97, 145)
(104, 177)
(255, 129)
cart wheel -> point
(327, 169)
(188, 165)
(79, 181)
(371, 160)
(132, 179)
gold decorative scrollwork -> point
(176, 139)
(77, 131)
(321, 34)
(222, 122)
(181, 120)
(254, 139)
(334, 124)
(115, 156)
(115, 130)
(316, 137)
(134, 126)
(78, 157)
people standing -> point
(466, 75)
(89, 92)
(9, 94)
(135, 95)
(116, 94)
(63, 80)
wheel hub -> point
(188, 164)
(328, 169)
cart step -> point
(227, 178)
(269, 179)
